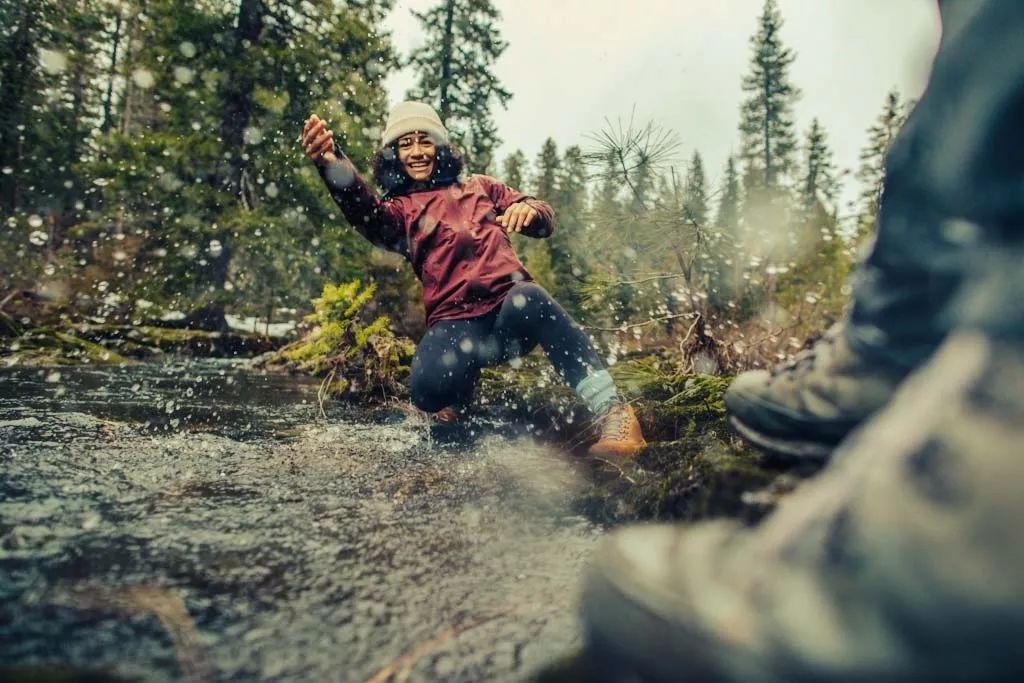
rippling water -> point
(200, 522)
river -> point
(203, 521)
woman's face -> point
(418, 155)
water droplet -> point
(339, 175)
(271, 190)
(143, 78)
(183, 74)
(101, 182)
(35, 221)
(7, 170)
(52, 61)
(252, 135)
(188, 49)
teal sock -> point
(597, 390)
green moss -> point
(49, 346)
(356, 360)
(693, 467)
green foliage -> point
(871, 173)
(536, 254)
(160, 158)
(454, 69)
(355, 359)
(819, 179)
(514, 169)
(569, 245)
(50, 346)
(766, 116)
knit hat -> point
(410, 117)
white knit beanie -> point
(411, 117)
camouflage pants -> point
(953, 202)
(902, 561)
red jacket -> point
(464, 259)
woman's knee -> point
(435, 387)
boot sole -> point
(783, 450)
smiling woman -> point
(416, 152)
(482, 305)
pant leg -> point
(954, 186)
(529, 316)
(447, 362)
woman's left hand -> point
(517, 217)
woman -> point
(482, 306)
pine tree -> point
(819, 184)
(727, 253)
(569, 202)
(513, 170)
(203, 171)
(548, 165)
(810, 284)
(695, 200)
(49, 105)
(455, 73)
(766, 116)
(871, 173)
(536, 253)
(728, 217)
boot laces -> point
(616, 423)
(805, 360)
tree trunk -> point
(447, 44)
(237, 114)
(16, 77)
(111, 73)
(238, 92)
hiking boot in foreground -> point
(901, 561)
(802, 409)
(620, 434)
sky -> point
(574, 65)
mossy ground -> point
(114, 344)
(693, 467)
(355, 360)
(50, 346)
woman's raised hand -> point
(317, 141)
(517, 216)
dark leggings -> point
(451, 354)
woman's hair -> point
(392, 178)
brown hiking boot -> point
(447, 416)
(620, 434)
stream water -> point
(204, 522)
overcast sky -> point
(572, 63)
